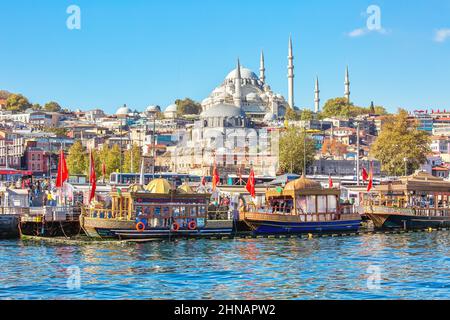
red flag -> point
(251, 184)
(364, 174)
(203, 181)
(92, 178)
(330, 181)
(215, 177)
(370, 185)
(63, 173)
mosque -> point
(251, 93)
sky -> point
(142, 52)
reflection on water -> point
(413, 266)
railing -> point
(19, 211)
(423, 212)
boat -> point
(419, 201)
(158, 210)
(302, 206)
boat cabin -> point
(159, 204)
(304, 198)
(421, 191)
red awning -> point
(17, 172)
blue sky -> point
(153, 52)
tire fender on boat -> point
(192, 225)
(140, 226)
(175, 227)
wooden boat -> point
(302, 206)
(158, 211)
(419, 201)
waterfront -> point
(413, 266)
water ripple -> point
(412, 266)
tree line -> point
(110, 157)
(17, 102)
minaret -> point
(347, 86)
(237, 86)
(317, 97)
(290, 75)
(262, 69)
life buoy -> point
(192, 225)
(140, 226)
(175, 227)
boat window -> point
(332, 204)
(322, 204)
(176, 211)
(311, 204)
(157, 211)
(166, 211)
(193, 211)
(301, 205)
(147, 210)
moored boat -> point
(419, 201)
(156, 211)
(302, 206)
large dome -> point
(245, 74)
(123, 111)
(171, 108)
(222, 110)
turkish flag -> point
(63, 173)
(330, 181)
(215, 177)
(370, 185)
(251, 184)
(92, 178)
(364, 174)
(203, 181)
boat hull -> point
(408, 222)
(9, 226)
(126, 230)
(287, 224)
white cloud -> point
(357, 33)
(364, 31)
(441, 35)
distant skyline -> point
(153, 52)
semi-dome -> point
(222, 110)
(161, 186)
(301, 184)
(245, 74)
(123, 111)
(153, 109)
(171, 108)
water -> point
(411, 266)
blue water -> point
(410, 266)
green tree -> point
(188, 106)
(17, 102)
(400, 139)
(77, 159)
(36, 107)
(52, 107)
(132, 155)
(295, 146)
(112, 159)
(306, 115)
(291, 115)
(339, 107)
